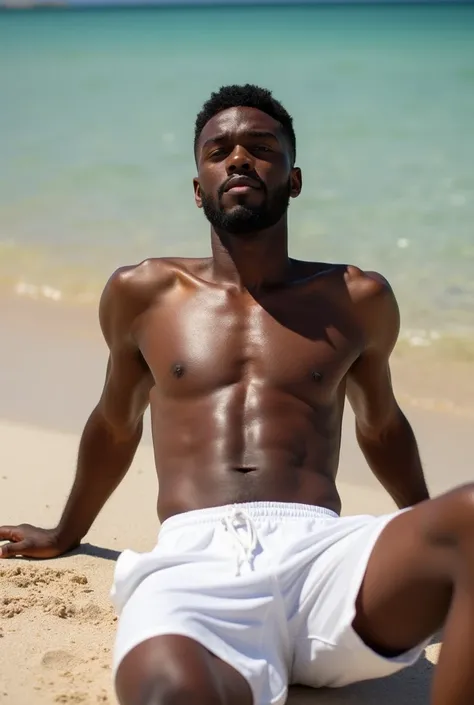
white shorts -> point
(268, 587)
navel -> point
(177, 370)
(317, 376)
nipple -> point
(178, 370)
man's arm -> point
(110, 437)
(383, 432)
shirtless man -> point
(246, 358)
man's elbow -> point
(380, 427)
(121, 429)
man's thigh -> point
(329, 652)
(380, 592)
(407, 588)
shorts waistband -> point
(254, 510)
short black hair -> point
(248, 96)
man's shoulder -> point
(361, 285)
(132, 289)
(149, 277)
(375, 306)
(366, 286)
(151, 272)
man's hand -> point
(31, 541)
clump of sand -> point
(63, 610)
(58, 592)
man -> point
(246, 358)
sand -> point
(56, 621)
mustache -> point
(252, 176)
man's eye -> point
(217, 152)
(262, 148)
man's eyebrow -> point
(262, 134)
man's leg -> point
(420, 577)
(176, 670)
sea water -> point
(97, 111)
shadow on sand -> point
(409, 687)
(89, 549)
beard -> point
(244, 219)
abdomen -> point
(245, 443)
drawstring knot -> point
(242, 530)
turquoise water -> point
(96, 129)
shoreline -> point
(63, 342)
(452, 341)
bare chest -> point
(207, 341)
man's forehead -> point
(239, 120)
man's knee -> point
(162, 690)
(167, 671)
(157, 687)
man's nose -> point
(239, 160)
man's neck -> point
(252, 262)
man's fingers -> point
(8, 550)
(6, 533)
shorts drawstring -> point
(242, 530)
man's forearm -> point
(394, 459)
(103, 461)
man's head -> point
(245, 152)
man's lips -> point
(241, 183)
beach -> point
(56, 621)
(96, 138)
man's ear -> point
(197, 193)
(296, 180)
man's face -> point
(245, 174)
